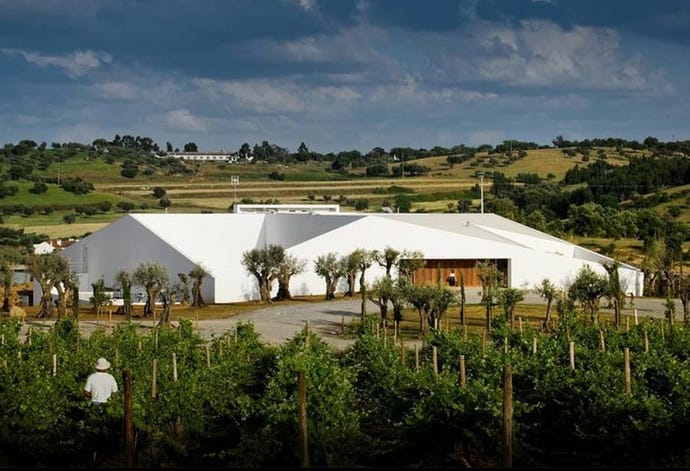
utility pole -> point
(481, 191)
(235, 179)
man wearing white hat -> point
(101, 384)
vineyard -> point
(581, 395)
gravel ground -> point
(277, 323)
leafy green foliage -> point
(234, 400)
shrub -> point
(69, 218)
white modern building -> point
(217, 242)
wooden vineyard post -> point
(602, 341)
(174, 359)
(628, 379)
(627, 323)
(463, 377)
(416, 357)
(377, 330)
(464, 333)
(434, 355)
(385, 334)
(128, 420)
(646, 342)
(155, 339)
(154, 377)
(342, 325)
(306, 337)
(534, 345)
(403, 354)
(395, 333)
(635, 313)
(520, 324)
(302, 410)
(663, 339)
(3, 340)
(54, 364)
(208, 355)
(507, 417)
(483, 342)
(571, 348)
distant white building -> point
(448, 242)
(43, 248)
(221, 156)
(285, 208)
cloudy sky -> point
(344, 74)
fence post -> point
(54, 364)
(174, 355)
(154, 377)
(463, 377)
(571, 348)
(302, 409)
(628, 379)
(507, 417)
(635, 312)
(129, 422)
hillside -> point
(528, 185)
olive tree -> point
(264, 264)
(124, 279)
(386, 258)
(153, 277)
(290, 267)
(48, 270)
(547, 291)
(196, 275)
(587, 289)
(329, 267)
(509, 298)
(491, 279)
(408, 262)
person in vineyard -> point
(101, 384)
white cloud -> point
(74, 64)
(306, 5)
(541, 53)
(276, 96)
(184, 120)
(116, 90)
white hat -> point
(102, 364)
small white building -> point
(217, 241)
(221, 156)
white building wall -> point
(218, 241)
(123, 245)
